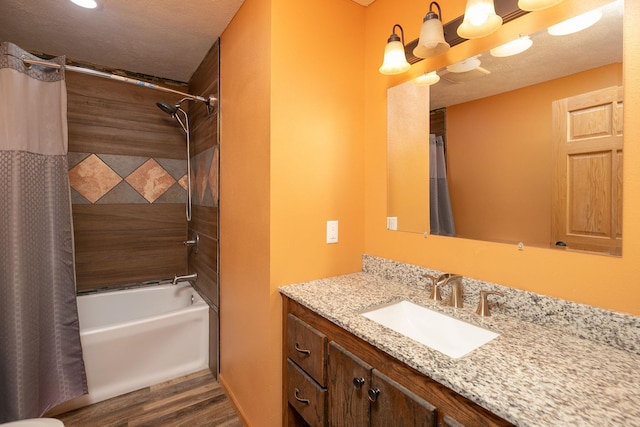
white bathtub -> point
(138, 337)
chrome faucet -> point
(456, 297)
(189, 278)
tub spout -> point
(189, 278)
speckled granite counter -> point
(531, 375)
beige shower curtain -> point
(40, 354)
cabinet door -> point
(349, 380)
(394, 405)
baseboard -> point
(233, 399)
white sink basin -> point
(450, 336)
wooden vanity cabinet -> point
(362, 395)
(306, 374)
(354, 369)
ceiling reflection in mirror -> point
(497, 125)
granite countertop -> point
(530, 375)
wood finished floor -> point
(194, 400)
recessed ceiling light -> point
(89, 4)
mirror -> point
(496, 124)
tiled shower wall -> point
(127, 172)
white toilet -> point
(35, 422)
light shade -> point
(480, 19)
(513, 47)
(431, 41)
(395, 60)
(533, 5)
(427, 79)
(575, 24)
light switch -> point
(392, 223)
(332, 231)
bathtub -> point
(138, 337)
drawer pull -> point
(358, 383)
(305, 401)
(301, 350)
(373, 394)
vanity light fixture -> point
(395, 60)
(88, 4)
(480, 19)
(533, 5)
(431, 42)
(464, 66)
(575, 24)
(427, 79)
(513, 47)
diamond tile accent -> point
(122, 193)
(92, 178)
(150, 180)
(123, 165)
(183, 182)
(177, 168)
(201, 178)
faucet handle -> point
(435, 294)
(483, 305)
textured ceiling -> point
(159, 38)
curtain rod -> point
(209, 101)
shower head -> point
(169, 109)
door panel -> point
(587, 175)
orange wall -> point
(291, 157)
(499, 159)
(244, 210)
(592, 279)
(303, 141)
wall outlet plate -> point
(332, 231)
(392, 223)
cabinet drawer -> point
(305, 395)
(306, 347)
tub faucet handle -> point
(483, 304)
(193, 243)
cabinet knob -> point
(295, 394)
(373, 394)
(301, 350)
(358, 383)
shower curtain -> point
(441, 215)
(40, 354)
